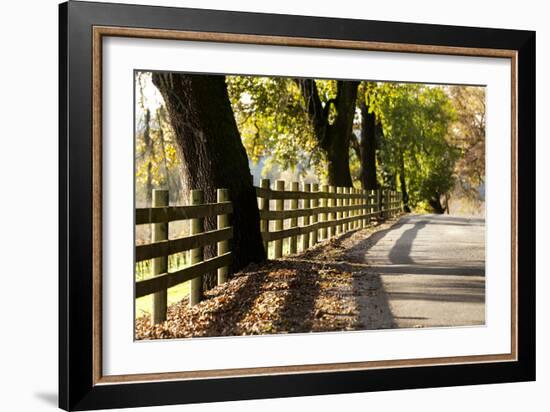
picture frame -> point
(82, 28)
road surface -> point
(431, 269)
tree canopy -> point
(425, 140)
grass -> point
(144, 305)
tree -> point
(469, 136)
(370, 132)
(297, 122)
(212, 154)
(416, 122)
(332, 125)
(274, 127)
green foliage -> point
(273, 122)
(157, 161)
(416, 120)
(432, 135)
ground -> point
(416, 271)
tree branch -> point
(314, 107)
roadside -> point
(315, 291)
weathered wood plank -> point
(167, 280)
(293, 194)
(303, 230)
(170, 214)
(223, 246)
(169, 247)
(160, 264)
(289, 214)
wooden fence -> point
(302, 218)
(315, 214)
(161, 247)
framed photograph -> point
(256, 205)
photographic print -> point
(275, 205)
(239, 184)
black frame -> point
(76, 388)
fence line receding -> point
(299, 218)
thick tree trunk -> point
(403, 184)
(213, 155)
(368, 149)
(338, 161)
(333, 138)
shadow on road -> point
(401, 250)
(371, 299)
(422, 269)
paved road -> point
(432, 269)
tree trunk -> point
(333, 138)
(213, 156)
(403, 184)
(435, 203)
(368, 149)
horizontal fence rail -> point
(315, 214)
(160, 216)
(298, 218)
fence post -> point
(339, 212)
(160, 264)
(294, 220)
(313, 235)
(306, 220)
(388, 203)
(361, 203)
(364, 209)
(378, 203)
(264, 205)
(279, 206)
(223, 246)
(355, 211)
(196, 255)
(331, 215)
(323, 217)
(373, 208)
(346, 213)
(351, 213)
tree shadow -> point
(400, 261)
(401, 250)
(297, 312)
(440, 290)
(355, 253)
(225, 318)
(425, 269)
(297, 280)
(372, 302)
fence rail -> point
(302, 217)
(159, 216)
(323, 213)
